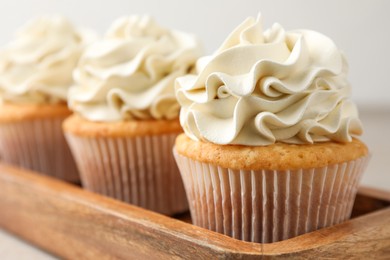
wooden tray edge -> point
(50, 214)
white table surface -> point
(377, 130)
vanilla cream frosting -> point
(130, 73)
(37, 66)
(262, 87)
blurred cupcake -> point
(268, 152)
(35, 75)
(126, 113)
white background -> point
(361, 28)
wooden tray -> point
(76, 224)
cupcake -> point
(269, 150)
(126, 113)
(35, 75)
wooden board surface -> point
(73, 223)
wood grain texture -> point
(369, 200)
(75, 224)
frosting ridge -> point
(260, 87)
(36, 67)
(130, 73)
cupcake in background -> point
(126, 113)
(269, 151)
(35, 75)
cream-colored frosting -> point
(37, 66)
(260, 87)
(130, 73)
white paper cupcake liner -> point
(138, 170)
(38, 145)
(267, 205)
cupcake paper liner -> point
(268, 205)
(38, 145)
(138, 170)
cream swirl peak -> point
(37, 66)
(260, 87)
(130, 73)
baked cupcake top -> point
(262, 87)
(130, 73)
(36, 67)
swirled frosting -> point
(260, 87)
(130, 73)
(37, 66)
